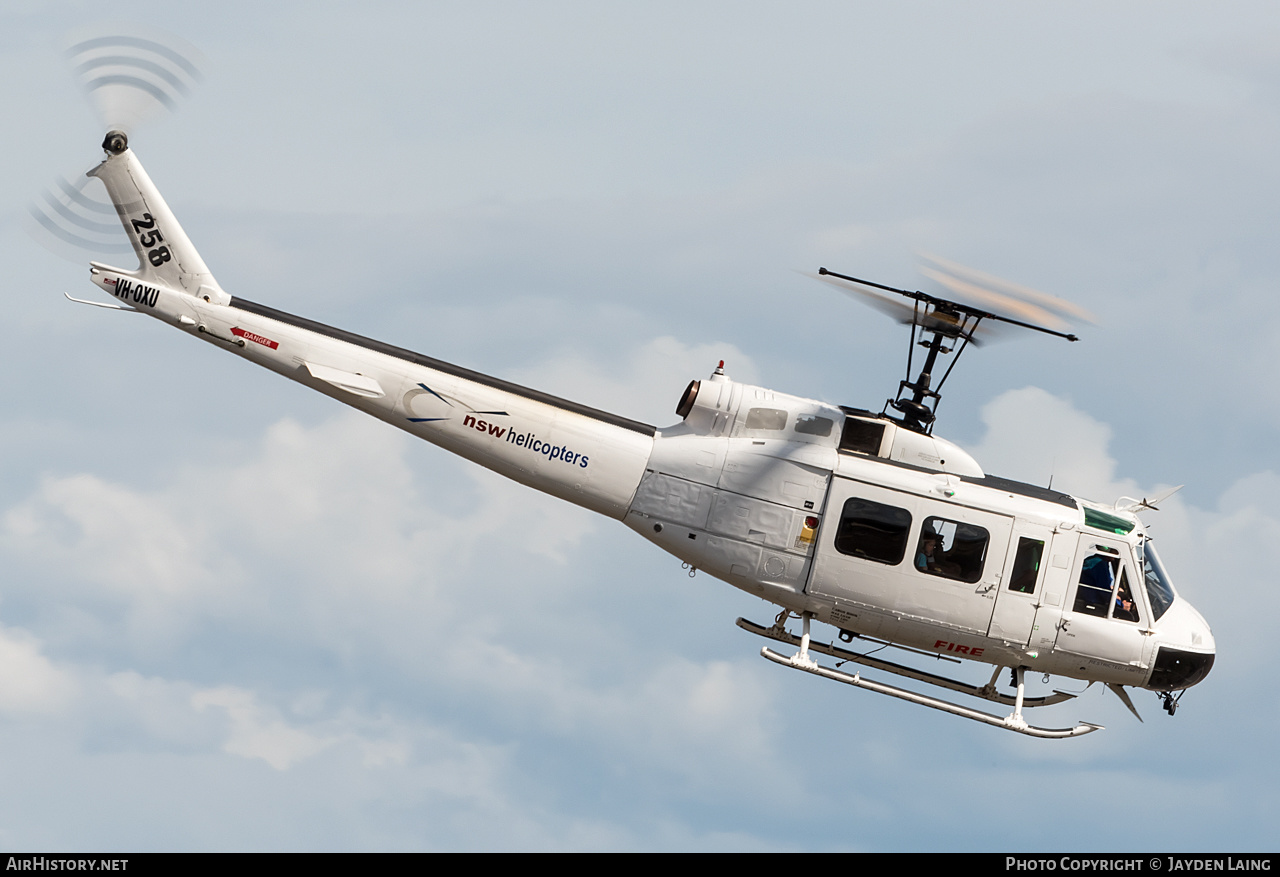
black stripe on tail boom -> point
(440, 365)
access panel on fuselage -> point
(901, 554)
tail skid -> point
(111, 306)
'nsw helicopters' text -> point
(528, 441)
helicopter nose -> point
(1186, 649)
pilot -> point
(1124, 602)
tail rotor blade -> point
(69, 221)
(131, 77)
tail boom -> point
(588, 457)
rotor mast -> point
(947, 321)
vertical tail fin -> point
(165, 253)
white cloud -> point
(29, 682)
(259, 732)
(462, 670)
(334, 540)
(110, 535)
(1036, 437)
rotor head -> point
(115, 142)
(982, 300)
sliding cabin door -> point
(890, 553)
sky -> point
(237, 616)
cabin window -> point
(862, 436)
(812, 424)
(766, 418)
(1026, 566)
(873, 531)
(1159, 589)
(1099, 593)
(1104, 521)
(1124, 607)
(1097, 578)
(952, 549)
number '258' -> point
(159, 255)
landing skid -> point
(986, 692)
(802, 661)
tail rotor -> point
(129, 76)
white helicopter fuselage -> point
(823, 511)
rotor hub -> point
(115, 142)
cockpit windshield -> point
(1159, 588)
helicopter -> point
(864, 521)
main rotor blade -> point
(972, 293)
(1059, 306)
(896, 308)
(921, 314)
